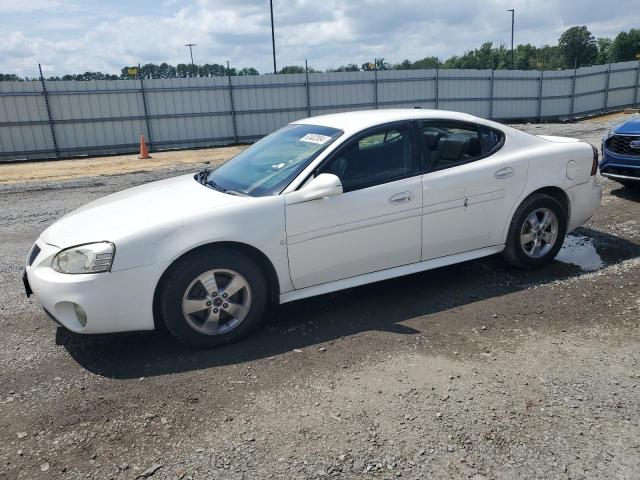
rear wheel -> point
(536, 233)
(212, 298)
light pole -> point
(513, 15)
(273, 38)
(190, 45)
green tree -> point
(579, 46)
(296, 69)
(10, 77)
(605, 50)
(351, 67)
(424, 63)
(292, 69)
(626, 45)
(248, 71)
(86, 76)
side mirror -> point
(324, 185)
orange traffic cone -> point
(144, 153)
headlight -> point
(90, 258)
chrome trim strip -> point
(615, 176)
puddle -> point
(580, 251)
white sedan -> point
(323, 204)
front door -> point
(374, 225)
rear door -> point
(464, 187)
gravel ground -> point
(471, 371)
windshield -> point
(269, 165)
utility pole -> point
(513, 15)
(273, 39)
(190, 45)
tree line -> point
(576, 47)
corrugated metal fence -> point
(61, 119)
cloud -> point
(30, 6)
(71, 37)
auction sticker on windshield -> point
(315, 138)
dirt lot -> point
(472, 371)
(38, 172)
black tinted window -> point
(447, 144)
(373, 159)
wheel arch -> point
(557, 193)
(262, 261)
(551, 190)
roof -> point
(359, 120)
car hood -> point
(631, 127)
(135, 210)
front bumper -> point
(112, 301)
(620, 167)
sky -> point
(72, 36)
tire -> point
(522, 228)
(194, 304)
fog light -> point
(81, 314)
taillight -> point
(594, 166)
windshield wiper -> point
(215, 186)
(235, 192)
(202, 175)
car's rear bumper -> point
(584, 200)
(112, 301)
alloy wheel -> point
(216, 301)
(539, 232)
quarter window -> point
(373, 159)
(448, 144)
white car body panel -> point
(354, 233)
(387, 274)
(465, 206)
(318, 246)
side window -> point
(448, 144)
(378, 157)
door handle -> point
(506, 172)
(402, 197)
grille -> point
(622, 144)
(35, 251)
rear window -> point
(447, 144)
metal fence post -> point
(233, 112)
(635, 97)
(437, 84)
(540, 96)
(146, 110)
(375, 83)
(491, 94)
(573, 89)
(52, 127)
(306, 84)
(605, 101)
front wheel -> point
(212, 298)
(536, 233)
